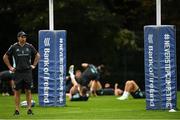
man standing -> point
(22, 53)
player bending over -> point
(77, 91)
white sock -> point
(125, 94)
(72, 76)
(71, 69)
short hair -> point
(84, 90)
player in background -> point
(131, 88)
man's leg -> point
(117, 91)
(17, 101)
(28, 99)
(95, 85)
(130, 86)
(4, 87)
(76, 86)
(72, 76)
(12, 86)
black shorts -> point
(23, 80)
(138, 94)
(78, 97)
(105, 91)
(85, 80)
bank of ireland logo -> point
(47, 42)
(150, 38)
(166, 36)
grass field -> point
(96, 108)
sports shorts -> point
(105, 91)
(138, 94)
(23, 80)
(78, 97)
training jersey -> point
(21, 55)
(90, 73)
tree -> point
(98, 31)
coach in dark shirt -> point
(22, 53)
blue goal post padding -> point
(52, 68)
(160, 67)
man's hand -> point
(33, 67)
(12, 69)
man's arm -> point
(7, 62)
(36, 60)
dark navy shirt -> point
(21, 55)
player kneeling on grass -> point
(131, 88)
(77, 92)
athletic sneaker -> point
(29, 112)
(3, 94)
(122, 98)
(6, 94)
(16, 112)
(71, 69)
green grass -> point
(96, 108)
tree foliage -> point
(99, 31)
